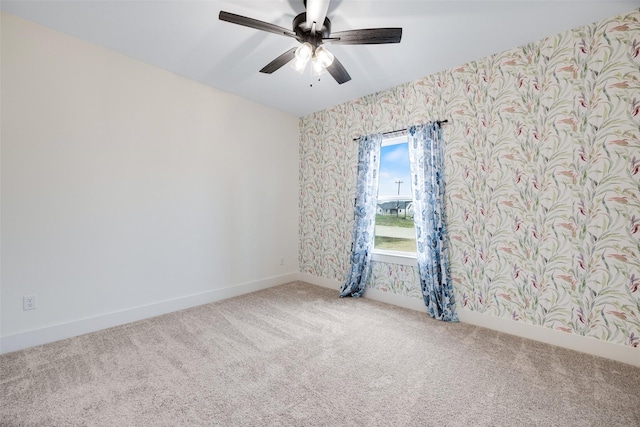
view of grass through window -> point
(394, 217)
(407, 243)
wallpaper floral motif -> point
(543, 178)
(398, 279)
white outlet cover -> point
(29, 302)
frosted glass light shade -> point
(304, 51)
(324, 56)
(303, 54)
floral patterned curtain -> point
(426, 155)
(365, 216)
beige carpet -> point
(298, 355)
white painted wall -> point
(124, 185)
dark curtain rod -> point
(440, 122)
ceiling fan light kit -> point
(312, 37)
(320, 58)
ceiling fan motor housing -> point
(303, 31)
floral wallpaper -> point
(397, 279)
(543, 179)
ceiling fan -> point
(312, 29)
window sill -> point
(394, 257)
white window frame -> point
(387, 256)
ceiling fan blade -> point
(254, 23)
(367, 36)
(279, 61)
(316, 12)
(338, 72)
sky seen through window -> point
(394, 167)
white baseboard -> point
(319, 281)
(592, 346)
(95, 323)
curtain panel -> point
(364, 216)
(426, 156)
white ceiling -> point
(187, 38)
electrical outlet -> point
(281, 261)
(29, 302)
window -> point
(395, 239)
